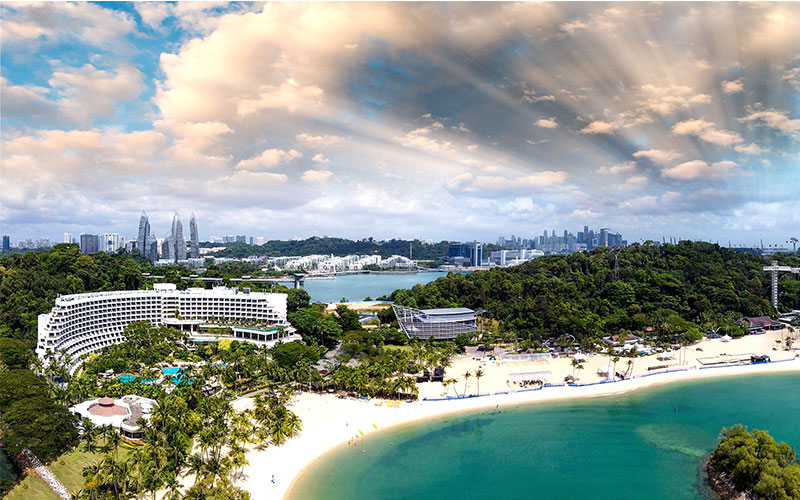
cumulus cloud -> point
(421, 139)
(708, 132)
(599, 127)
(320, 159)
(697, 169)
(622, 168)
(636, 181)
(659, 156)
(316, 176)
(775, 119)
(750, 149)
(269, 158)
(87, 93)
(547, 122)
(732, 87)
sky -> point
(454, 121)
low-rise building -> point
(123, 414)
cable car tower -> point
(775, 269)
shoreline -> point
(327, 419)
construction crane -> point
(775, 269)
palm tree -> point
(478, 374)
(173, 488)
(453, 382)
(575, 365)
(579, 368)
(467, 375)
(614, 360)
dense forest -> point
(30, 282)
(670, 288)
(341, 246)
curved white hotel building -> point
(87, 322)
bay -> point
(356, 287)
(645, 445)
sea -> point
(357, 287)
(644, 445)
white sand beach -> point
(329, 422)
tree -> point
(478, 374)
(15, 354)
(297, 299)
(290, 354)
(466, 375)
(316, 327)
(348, 319)
(38, 423)
(758, 466)
(19, 385)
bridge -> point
(775, 269)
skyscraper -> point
(143, 240)
(178, 250)
(67, 237)
(194, 237)
(6, 243)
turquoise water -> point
(359, 286)
(647, 445)
(126, 379)
(171, 371)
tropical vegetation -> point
(754, 465)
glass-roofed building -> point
(438, 324)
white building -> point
(513, 257)
(87, 322)
(123, 414)
(67, 237)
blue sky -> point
(444, 121)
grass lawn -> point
(68, 468)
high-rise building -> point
(111, 242)
(174, 246)
(603, 237)
(90, 243)
(67, 237)
(241, 238)
(143, 241)
(194, 237)
(6, 243)
(228, 238)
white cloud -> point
(87, 93)
(750, 149)
(659, 156)
(320, 141)
(697, 169)
(636, 181)
(599, 127)
(708, 132)
(421, 139)
(270, 158)
(320, 159)
(495, 184)
(547, 122)
(622, 168)
(317, 176)
(732, 87)
(778, 120)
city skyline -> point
(432, 121)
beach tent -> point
(580, 358)
(726, 338)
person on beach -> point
(273, 479)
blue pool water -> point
(171, 371)
(127, 379)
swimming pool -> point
(171, 371)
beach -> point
(329, 421)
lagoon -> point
(355, 287)
(644, 445)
